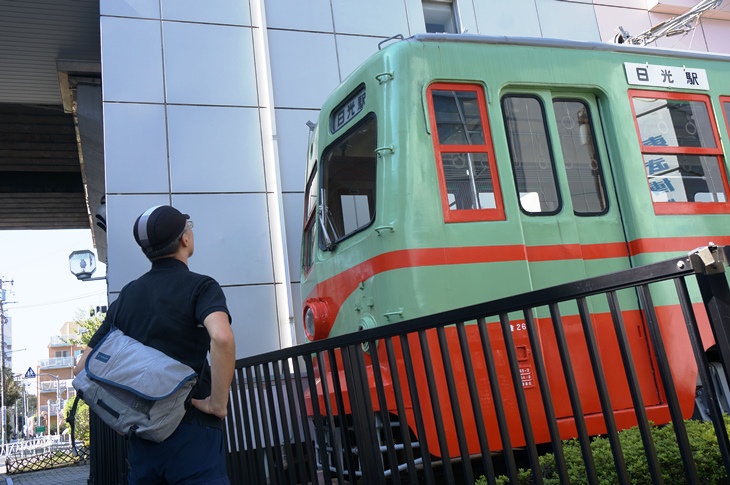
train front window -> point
(310, 197)
(348, 184)
(532, 162)
(681, 152)
(580, 157)
(726, 108)
(464, 153)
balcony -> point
(50, 386)
(52, 408)
(63, 340)
(56, 363)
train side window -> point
(681, 152)
(464, 153)
(310, 196)
(348, 183)
(532, 161)
(580, 156)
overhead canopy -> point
(49, 47)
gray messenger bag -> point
(134, 388)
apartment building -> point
(54, 376)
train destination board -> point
(348, 110)
(666, 76)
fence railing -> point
(479, 390)
(26, 447)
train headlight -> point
(316, 319)
(309, 323)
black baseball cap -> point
(158, 226)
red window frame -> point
(662, 208)
(725, 100)
(466, 215)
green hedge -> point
(702, 439)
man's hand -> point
(206, 405)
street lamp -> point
(58, 408)
(83, 264)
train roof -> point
(562, 44)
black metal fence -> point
(485, 390)
(108, 454)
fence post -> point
(709, 266)
(363, 416)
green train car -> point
(450, 170)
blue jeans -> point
(193, 455)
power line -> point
(57, 302)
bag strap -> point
(71, 419)
(194, 390)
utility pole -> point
(3, 321)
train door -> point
(572, 229)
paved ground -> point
(70, 475)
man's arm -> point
(103, 329)
(82, 361)
(222, 364)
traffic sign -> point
(29, 374)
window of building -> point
(348, 183)
(440, 16)
(533, 166)
(681, 152)
(464, 153)
(61, 353)
(580, 156)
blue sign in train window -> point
(348, 109)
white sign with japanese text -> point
(348, 110)
(666, 76)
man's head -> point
(159, 231)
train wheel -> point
(722, 391)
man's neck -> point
(180, 256)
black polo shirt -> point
(165, 309)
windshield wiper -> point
(329, 245)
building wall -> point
(205, 105)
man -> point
(182, 314)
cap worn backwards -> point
(159, 226)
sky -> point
(44, 294)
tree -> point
(32, 401)
(13, 390)
(81, 424)
(87, 326)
